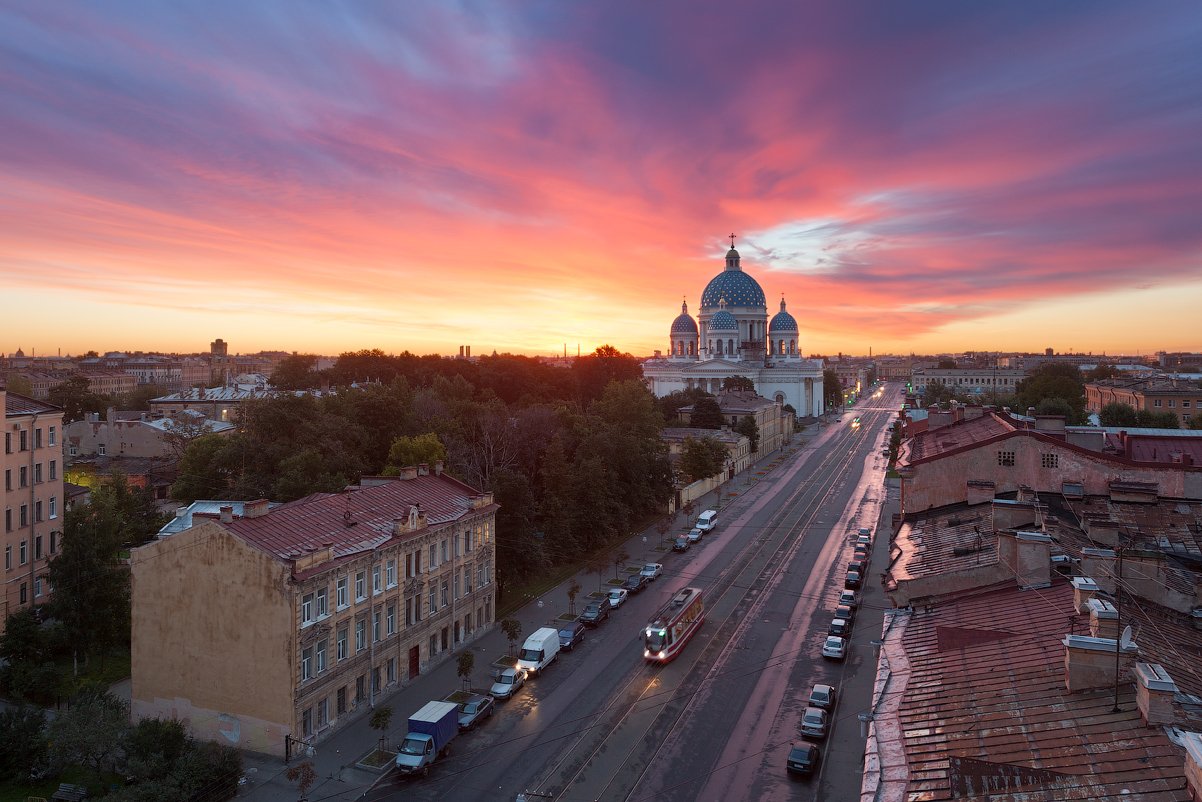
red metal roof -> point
(17, 404)
(321, 519)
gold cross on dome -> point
(732, 240)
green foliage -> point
(947, 364)
(381, 719)
(706, 414)
(140, 397)
(937, 393)
(738, 383)
(304, 775)
(89, 733)
(28, 650)
(1195, 421)
(1100, 371)
(22, 741)
(1148, 419)
(1054, 381)
(76, 399)
(134, 507)
(407, 451)
(832, 389)
(19, 384)
(749, 429)
(153, 747)
(671, 403)
(1117, 413)
(296, 372)
(464, 664)
(513, 628)
(702, 458)
(607, 364)
(1055, 406)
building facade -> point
(974, 381)
(280, 623)
(33, 499)
(732, 336)
(1181, 398)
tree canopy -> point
(706, 413)
(701, 458)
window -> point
(1156, 402)
(390, 573)
(376, 586)
(360, 635)
(8, 519)
(340, 701)
(37, 511)
(467, 579)
(101, 450)
(1184, 405)
(458, 553)
(432, 563)
(1049, 460)
(323, 713)
(22, 477)
(53, 534)
(53, 437)
(53, 469)
(37, 588)
(360, 586)
(456, 584)
(53, 511)
(341, 591)
(24, 593)
(307, 609)
(375, 626)
(37, 438)
(391, 670)
(375, 679)
(323, 603)
(433, 599)
(24, 553)
(24, 437)
(444, 550)
(467, 541)
(433, 643)
(391, 625)
(321, 657)
(307, 664)
(37, 547)
(1172, 405)
(8, 442)
(8, 479)
(360, 688)
(444, 593)
(8, 558)
(73, 451)
(307, 722)
(37, 473)
(1005, 458)
(409, 572)
(446, 640)
(341, 643)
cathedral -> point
(732, 336)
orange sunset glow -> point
(520, 177)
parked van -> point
(539, 651)
(707, 520)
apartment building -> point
(280, 623)
(1182, 398)
(975, 381)
(33, 498)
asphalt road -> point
(716, 723)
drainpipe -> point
(33, 518)
(371, 633)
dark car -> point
(596, 612)
(840, 627)
(570, 635)
(856, 565)
(862, 551)
(635, 583)
(475, 710)
(852, 580)
(803, 758)
(680, 544)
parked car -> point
(475, 710)
(865, 531)
(695, 535)
(570, 635)
(652, 571)
(848, 597)
(616, 597)
(856, 565)
(823, 696)
(803, 759)
(845, 611)
(814, 723)
(840, 627)
(680, 544)
(861, 551)
(707, 520)
(834, 647)
(635, 583)
(852, 580)
(596, 612)
(510, 681)
(864, 539)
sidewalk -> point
(334, 759)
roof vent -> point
(1154, 692)
(227, 514)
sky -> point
(322, 177)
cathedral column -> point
(810, 398)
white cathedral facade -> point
(732, 336)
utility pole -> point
(1118, 636)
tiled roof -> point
(319, 519)
(17, 404)
(983, 713)
(932, 443)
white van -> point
(707, 520)
(539, 651)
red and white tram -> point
(677, 621)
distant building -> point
(970, 381)
(284, 623)
(33, 495)
(218, 348)
(128, 434)
(1181, 398)
(732, 336)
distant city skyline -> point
(933, 179)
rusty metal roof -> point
(16, 404)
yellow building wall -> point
(197, 656)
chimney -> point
(110, 416)
(1192, 742)
(973, 411)
(227, 514)
(1029, 556)
(1010, 514)
(1084, 589)
(255, 509)
(1051, 424)
(423, 469)
(980, 491)
(1154, 692)
(409, 472)
(468, 350)
(438, 468)
(1089, 662)
(1103, 619)
(1100, 564)
(461, 352)
(1102, 530)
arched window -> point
(730, 346)
(719, 347)
(690, 349)
(792, 346)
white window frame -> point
(341, 639)
(323, 603)
(360, 635)
(377, 586)
(53, 507)
(307, 663)
(360, 586)
(342, 592)
(307, 609)
(390, 620)
(390, 573)
(321, 656)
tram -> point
(677, 621)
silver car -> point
(814, 723)
(508, 683)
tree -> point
(304, 775)
(738, 383)
(671, 404)
(573, 592)
(706, 414)
(937, 393)
(513, 630)
(76, 398)
(702, 458)
(132, 506)
(22, 741)
(604, 365)
(296, 372)
(381, 719)
(1101, 371)
(749, 429)
(407, 451)
(947, 364)
(89, 733)
(153, 746)
(832, 389)
(464, 665)
(19, 384)
(140, 397)
(1055, 406)
(1195, 422)
(1117, 413)
(1157, 420)
(1054, 381)
(620, 557)
(27, 651)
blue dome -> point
(738, 288)
(684, 324)
(723, 321)
(782, 320)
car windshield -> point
(820, 695)
(813, 717)
(412, 746)
(471, 707)
(566, 633)
(592, 609)
(506, 679)
(532, 654)
(800, 753)
(656, 639)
